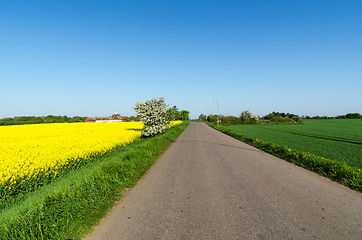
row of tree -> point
(246, 117)
(273, 117)
(35, 120)
(347, 116)
(170, 114)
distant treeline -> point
(172, 114)
(347, 116)
(35, 120)
(274, 117)
(247, 117)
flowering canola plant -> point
(28, 150)
(174, 123)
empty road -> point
(208, 185)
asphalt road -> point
(210, 186)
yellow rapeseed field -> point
(27, 150)
(174, 123)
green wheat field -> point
(337, 139)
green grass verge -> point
(335, 170)
(69, 207)
(21, 189)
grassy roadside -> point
(336, 171)
(70, 206)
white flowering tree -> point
(246, 115)
(153, 113)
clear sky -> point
(93, 58)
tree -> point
(245, 115)
(202, 117)
(353, 115)
(116, 115)
(212, 118)
(173, 113)
(132, 118)
(184, 115)
(153, 113)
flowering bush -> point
(153, 114)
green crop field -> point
(337, 139)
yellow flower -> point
(29, 150)
(174, 123)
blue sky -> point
(93, 58)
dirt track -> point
(210, 186)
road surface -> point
(208, 185)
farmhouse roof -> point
(93, 119)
